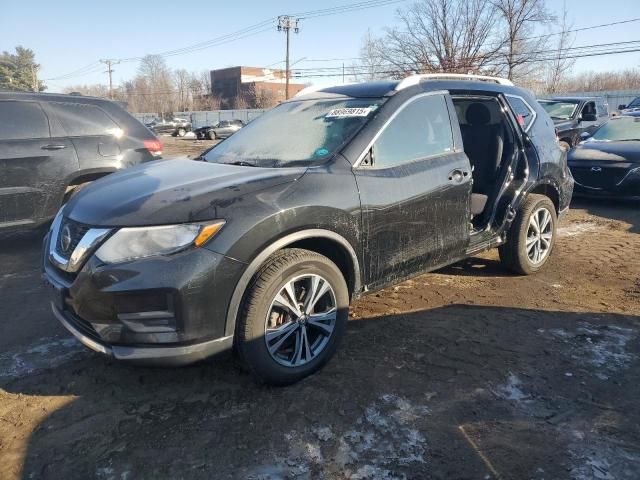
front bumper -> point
(161, 356)
(165, 310)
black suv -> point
(328, 196)
(52, 145)
(574, 116)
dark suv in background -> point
(574, 116)
(330, 195)
(52, 145)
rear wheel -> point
(293, 316)
(182, 132)
(211, 135)
(532, 236)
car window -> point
(558, 109)
(421, 129)
(84, 120)
(523, 112)
(589, 108)
(22, 120)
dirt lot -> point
(466, 373)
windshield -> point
(296, 133)
(635, 103)
(619, 129)
(559, 110)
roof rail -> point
(316, 88)
(416, 79)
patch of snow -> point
(47, 354)
(381, 440)
(604, 347)
(512, 389)
(578, 228)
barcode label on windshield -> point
(349, 112)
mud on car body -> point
(335, 193)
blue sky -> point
(70, 34)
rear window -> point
(523, 112)
(22, 120)
(84, 120)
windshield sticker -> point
(321, 152)
(348, 112)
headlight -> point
(130, 243)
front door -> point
(415, 188)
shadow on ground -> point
(627, 211)
(452, 392)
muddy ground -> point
(466, 373)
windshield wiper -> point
(242, 163)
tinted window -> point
(522, 111)
(422, 129)
(21, 120)
(83, 120)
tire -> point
(182, 132)
(211, 135)
(514, 254)
(262, 320)
(565, 145)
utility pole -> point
(286, 24)
(109, 63)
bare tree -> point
(95, 90)
(456, 36)
(560, 65)
(371, 64)
(520, 20)
(154, 73)
(182, 79)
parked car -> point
(51, 146)
(608, 162)
(222, 129)
(176, 127)
(633, 108)
(328, 196)
(575, 115)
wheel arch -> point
(325, 242)
(549, 190)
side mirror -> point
(585, 135)
(621, 107)
(589, 117)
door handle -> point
(458, 175)
(53, 147)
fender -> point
(238, 293)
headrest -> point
(478, 114)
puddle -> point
(47, 354)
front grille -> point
(606, 178)
(75, 231)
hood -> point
(606, 152)
(171, 191)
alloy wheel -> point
(539, 235)
(301, 320)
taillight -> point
(154, 147)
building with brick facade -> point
(250, 87)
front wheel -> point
(293, 316)
(182, 132)
(211, 135)
(531, 237)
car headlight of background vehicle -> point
(139, 242)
